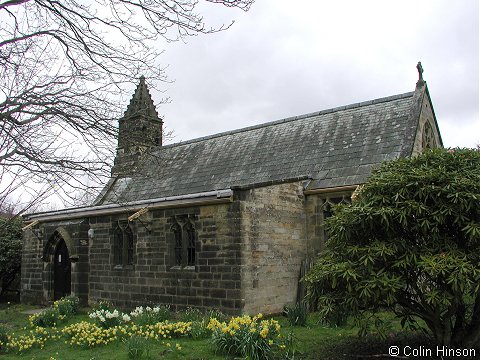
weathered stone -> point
(250, 239)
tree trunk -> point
(471, 337)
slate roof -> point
(334, 147)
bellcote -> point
(139, 130)
(141, 104)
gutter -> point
(203, 198)
(331, 190)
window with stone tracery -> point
(428, 137)
(184, 236)
(190, 242)
(123, 246)
(328, 205)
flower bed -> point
(145, 326)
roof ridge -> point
(293, 118)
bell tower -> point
(139, 130)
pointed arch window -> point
(428, 137)
(184, 237)
(123, 247)
(328, 208)
(177, 233)
(190, 233)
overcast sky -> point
(286, 58)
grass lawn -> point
(311, 342)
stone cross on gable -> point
(420, 81)
(420, 71)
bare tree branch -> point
(66, 68)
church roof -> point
(332, 148)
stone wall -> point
(214, 282)
(426, 116)
(314, 224)
(31, 288)
(273, 246)
(248, 255)
(39, 244)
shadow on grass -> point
(410, 345)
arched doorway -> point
(61, 271)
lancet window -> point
(428, 137)
(123, 247)
(184, 237)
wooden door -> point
(62, 268)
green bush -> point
(336, 318)
(297, 315)
(61, 310)
(10, 250)
(68, 305)
(409, 242)
(47, 318)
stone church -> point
(223, 221)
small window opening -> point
(190, 244)
(184, 236)
(177, 232)
(123, 250)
